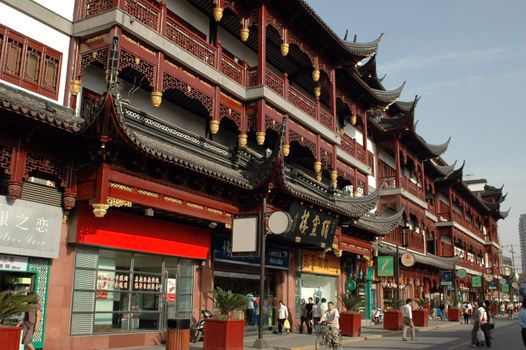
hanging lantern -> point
(218, 13)
(244, 34)
(242, 140)
(315, 75)
(286, 150)
(317, 91)
(334, 178)
(317, 167)
(156, 98)
(260, 137)
(284, 49)
(75, 87)
(353, 119)
(214, 126)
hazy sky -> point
(467, 60)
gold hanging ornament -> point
(244, 34)
(317, 167)
(75, 87)
(353, 119)
(242, 140)
(218, 13)
(286, 150)
(156, 98)
(316, 75)
(284, 49)
(214, 126)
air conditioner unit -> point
(42, 182)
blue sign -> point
(276, 257)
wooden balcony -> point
(176, 30)
(349, 145)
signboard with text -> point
(315, 262)
(446, 278)
(276, 257)
(311, 226)
(476, 281)
(30, 229)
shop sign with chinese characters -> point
(315, 262)
(13, 263)
(29, 229)
(311, 226)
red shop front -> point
(132, 273)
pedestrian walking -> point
(407, 312)
(316, 314)
(485, 324)
(303, 315)
(309, 307)
(522, 321)
(283, 314)
(480, 316)
(250, 308)
(441, 311)
(31, 323)
(465, 312)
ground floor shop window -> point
(318, 286)
(117, 291)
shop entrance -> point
(17, 282)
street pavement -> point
(374, 337)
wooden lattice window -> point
(29, 64)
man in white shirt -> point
(332, 316)
(407, 312)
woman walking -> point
(283, 314)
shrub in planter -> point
(351, 319)
(11, 305)
(453, 312)
(225, 330)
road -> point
(506, 336)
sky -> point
(467, 61)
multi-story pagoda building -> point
(136, 131)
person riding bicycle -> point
(331, 317)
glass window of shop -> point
(317, 286)
(117, 291)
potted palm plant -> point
(351, 319)
(12, 304)
(392, 315)
(421, 315)
(226, 328)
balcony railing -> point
(176, 30)
(351, 146)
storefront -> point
(132, 273)
(241, 274)
(318, 276)
(29, 239)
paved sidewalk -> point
(295, 341)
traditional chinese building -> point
(132, 145)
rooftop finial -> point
(346, 33)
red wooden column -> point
(17, 171)
(364, 132)
(261, 71)
(397, 160)
(332, 98)
(99, 203)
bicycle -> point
(328, 338)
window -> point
(117, 291)
(29, 64)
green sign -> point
(506, 288)
(476, 281)
(385, 266)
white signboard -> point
(29, 229)
(13, 263)
(244, 235)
